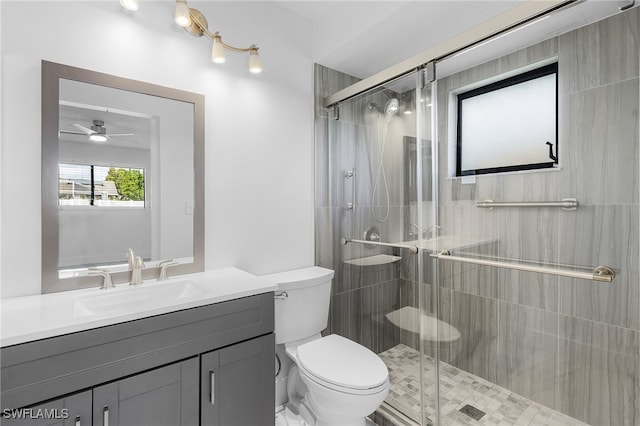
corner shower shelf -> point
(379, 259)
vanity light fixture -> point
(194, 22)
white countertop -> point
(29, 318)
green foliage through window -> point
(129, 183)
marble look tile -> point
(322, 163)
(368, 308)
(540, 226)
(341, 156)
(476, 318)
(601, 235)
(527, 352)
(601, 53)
(599, 382)
(503, 65)
(603, 151)
(324, 240)
(340, 321)
(328, 81)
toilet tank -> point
(305, 310)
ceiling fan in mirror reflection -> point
(97, 132)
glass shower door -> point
(373, 161)
(523, 347)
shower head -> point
(391, 108)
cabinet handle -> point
(77, 420)
(212, 382)
(105, 416)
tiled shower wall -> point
(572, 345)
(361, 296)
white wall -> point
(259, 144)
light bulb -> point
(217, 51)
(97, 138)
(255, 65)
(129, 4)
(183, 17)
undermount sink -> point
(126, 298)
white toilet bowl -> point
(332, 380)
(343, 382)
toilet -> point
(325, 381)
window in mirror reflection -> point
(509, 125)
(102, 186)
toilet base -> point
(286, 417)
(318, 408)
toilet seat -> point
(342, 365)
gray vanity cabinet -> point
(237, 384)
(72, 410)
(165, 396)
(149, 371)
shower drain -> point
(472, 412)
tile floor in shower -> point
(457, 389)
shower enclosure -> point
(512, 324)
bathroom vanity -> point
(206, 358)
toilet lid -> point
(342, 362)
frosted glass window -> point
(509, 125)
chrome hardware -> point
(281, 296)
(106, 283)
(351, 174)
(212, 392)
(164, 265)
(371, 234)
(77, 423)
(136, 273)
(433, 231)
(565, 204)
(130, 258)
(603, 274)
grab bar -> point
(412, 249)
(602, 274)
(565, 204)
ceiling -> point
(114, 122)
(362, 38)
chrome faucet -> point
(164, 265)
(433, 231)
(136, 272)
(411, 234)
(130, 258)
(106, 282)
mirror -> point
(122, 167)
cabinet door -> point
(72, 410)
(163, 396)
(238, 384)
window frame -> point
(92, 196)
(546, 70)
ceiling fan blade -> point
(84, 129)
(118, 134)
(72, 132)
(123, 140)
